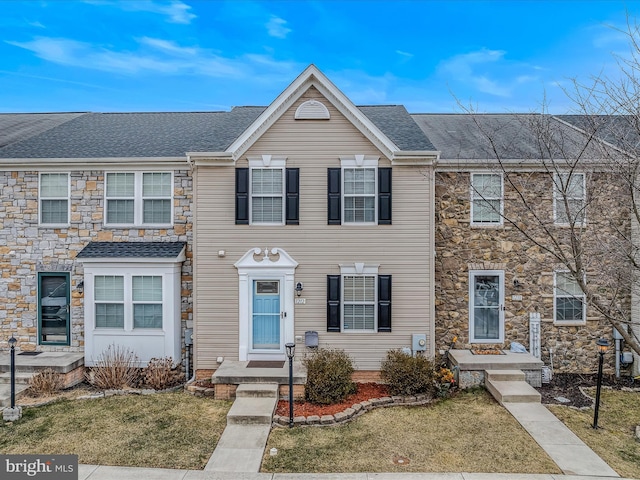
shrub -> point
(159, 374)
(407, 375)
(46, 382)
(328, 376)
(115, 368)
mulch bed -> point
(566, 386)
(366, 391)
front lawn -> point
(467, 433)
(614, 440)
(168, 430)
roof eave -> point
(211, 159)
(415, 157)
(91, 162)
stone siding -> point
(461, 247)
(28, 248)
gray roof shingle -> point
(132, 250)
(15, 127)
(172, 134)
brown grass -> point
(614, 439)
(468, 433)
(169, 430)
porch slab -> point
(60, 362)
(471, 368)
(232, 372)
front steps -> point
(510, 386)
(242, 443)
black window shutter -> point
(334, 186)
(333, 303)
(293, 196)
(384, 303)
(384, 196)
(242, 196)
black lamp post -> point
(12, 346)
(603, 345)
(291, 351)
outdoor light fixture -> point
(12, 346)
(602, 345)
(299, 288)
(291, 351)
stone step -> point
(513, 392)
(5, 394)
(22, 378)
(257, 390)
(252, 411)
(505, 375)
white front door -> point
(486, 306)
(266, 317)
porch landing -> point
(471, 368)
(232, 373)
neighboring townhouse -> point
(311, 221)
(490, 279)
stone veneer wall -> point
(27, 248)
(461, 247)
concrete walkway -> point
(94, 472)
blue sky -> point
(191, 55)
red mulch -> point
(366, 391)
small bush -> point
(46, 382)
(328, 376)
(408, 375)
(115, 368)
(159, 374)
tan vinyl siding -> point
(402, 249)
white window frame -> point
(359, 270)
(41, 199)
(558, 198)
(475, 196)
(582, 298)
(359, 162)
(267, 162)
(138, 200)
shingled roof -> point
(172, 134)
(15, 127)
(132, 250)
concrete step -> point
(513, 392)
(5, 394)
(257, 390)
(252, 411)
(22, 378)
(504, 375)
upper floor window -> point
(359, 192)
(486, 198)
(139, 198)
(54, 198)
(267, 193)
(569, 299)
(569, 199)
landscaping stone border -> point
(199, 391)
(354, 411)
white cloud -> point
(276, 27)
(175, 10)
(404, 54)
(155, 55)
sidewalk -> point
(94, 472)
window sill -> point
(569, 323)
(131, 225)
(486, 225)
(54, 225)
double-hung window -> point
(359, 192)
(128, 300)
(569, 299)
(139, 198)
(267, 195)
(359, 300)
(569, 199)
(486, 199)
(54, 198)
